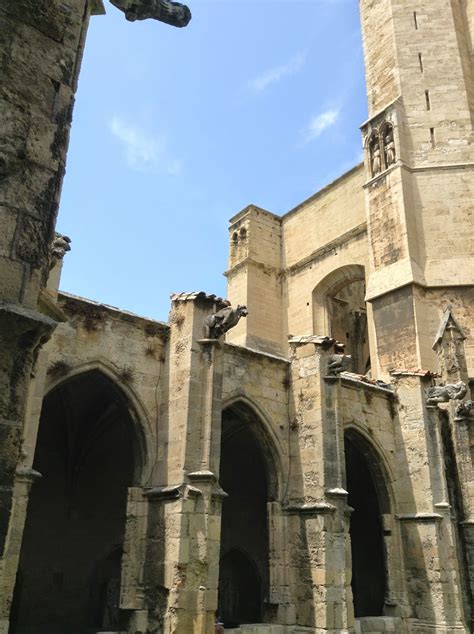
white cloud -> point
(144, 150)
(319, 124)
(260, 83)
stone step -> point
(378, 624)
(258, 628)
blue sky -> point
(176, 130)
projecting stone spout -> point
(172, 13)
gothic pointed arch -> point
(249, 474)
(89, 453)
(369, 496)
(128, 396)
(249, 413)
(339, 310)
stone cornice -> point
(419, 168)
(318, 508)
(353, 234)
(253, 352)
(250, 261)
(419, 517)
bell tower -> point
(419, 156)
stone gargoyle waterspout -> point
(172, 13)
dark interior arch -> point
(86, 451)
(248, 475)
(368, 495)
(240, 588)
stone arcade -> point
(303, 468)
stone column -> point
(41, 45)
(428, 536)
(317, 505)
(185, 511)
(279, 565)
(463, 432)
(452, 366)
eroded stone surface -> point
(318, 462)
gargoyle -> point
(338, 363)
(59, 246)
(445, 393)
(225, 319)
(465, 409)
(172, 13)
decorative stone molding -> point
(27, 475)
(379, 140)
(318, 340)
(173, 492)
(199, 295)
(449, 348)
(219, 493)
(202, 476)
(337, 492)
(319, 508)
(419, 517)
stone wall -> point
(41, 46)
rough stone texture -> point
(41, 46)
(401, 231)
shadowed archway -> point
(368, 496)
(88, 452)
(248, 475)
(339, 310)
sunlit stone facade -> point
(310, 470)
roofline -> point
(251, 207)
(324, 190)
(110, 308)
(320, 192)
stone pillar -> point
(317, 504)
(42, 45)
(22, 332)
(429, 539)
(279, 565)
(463, 433)
(185, 507)
(132, 585)
(450, 351)
(24, 475)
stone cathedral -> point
(294, 459)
